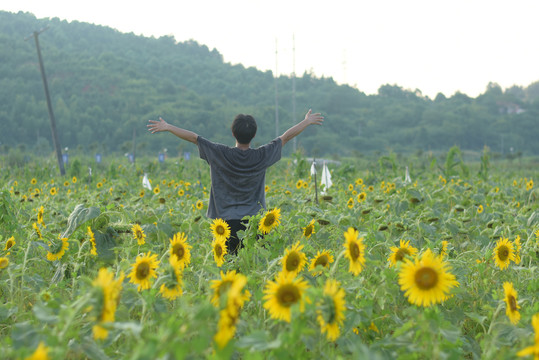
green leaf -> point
(79, 216)
(258, 341)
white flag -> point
(326, 178)
(313, 168)
(407, 179)
(146, 182)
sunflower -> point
(226, 327)
(172, 286)
(354, 250)
(4, 262)
(91, 235)
(57, 249)
(156, 190)
(529, 185)
(220, 229)
(309, 229)
(9, 243)
(53, 191)
(359, 181)
(518, 247)
(361, 197)
(371, 188)
(33, 181)
(350, 203)
(138, 234)
(143, 270)
(99, 185)
(511, 307)
(66, 183)
(37, 230)
(534, 349)
(299, 184)
(480, 209)
(401, 252)
(504, 253)
(427, 280)
(109, 290)
(228, 291)
(74, 180)
(322, 259)
(305, 185)
(141, 193)
(219, 250)
(181, 192)
(40, 212)
(443, 250)
(294, 260)
(41, 353)
(180, 249)
(282, 293)
(199, 204)
(330, 312)
(269, 221)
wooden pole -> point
(55, 140)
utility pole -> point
(55, 140)
(276, 95)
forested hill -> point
(105, 85)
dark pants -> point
(233, 244)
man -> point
(237, 173)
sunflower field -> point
(439, 264)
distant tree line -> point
(105, 85)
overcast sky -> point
(430, 45)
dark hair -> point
(244, 128)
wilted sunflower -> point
(330, 312)
(9, 243)
(294, 260)
(138, 234)
(181, 249)
(282, 293)
(354, 250)
(57, 249)
(91, 235)
(269, 221)
(220, 229)
(401, 252)
(427, 280)
(361, 197)
(4, 262)
(41, 353)
(143, 270)
(309, 229)
(511, 304)
(108, 299)
(322, 259)
(504, 253)
(534, 349)
(219, 251)
(172, 282)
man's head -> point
(244, 128)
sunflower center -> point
(288, 295)
(512, 303)
(426, 278)
(179, 251)
(9, 244)
(220, 230)
(308, 231)
(143, 270)
(354, 251)
(269, 219)
(292, 261)
(401, 253)
(322, 260)
(139, 234)
(218, 250)
(503, 253)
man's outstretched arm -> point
(162, 125)
(310, 119)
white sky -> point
(431, 45)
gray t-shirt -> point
(237, 177)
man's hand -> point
(313, 119)
(157, 126)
